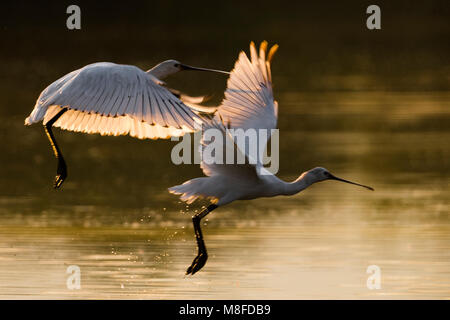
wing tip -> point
(272, 52)
(263, 49)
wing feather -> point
(249, 102)
(219, 166)
(169, 111)
(147, 113)
(107, 98)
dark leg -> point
(61, 171)
(202, 255)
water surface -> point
(114, 219)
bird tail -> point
(194, 189)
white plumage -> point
(113, 99)
(248, 104)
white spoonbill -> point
(114, 99)
(248, 104)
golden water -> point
(114, 219)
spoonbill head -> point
(319, 174)
(170, 67)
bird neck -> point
(162, 70)
(301, 183)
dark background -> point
(319, 42)
(325, 47)
(370, 106)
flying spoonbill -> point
(114, 99)
(248, 104)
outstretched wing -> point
(114, 99)
(249, 102)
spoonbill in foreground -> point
(114, 99)
(248, 104)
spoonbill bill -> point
(114, 99)
(248, 104)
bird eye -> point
(326, 173)
(177, 65)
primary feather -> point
(248, 104)
(113, 99)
